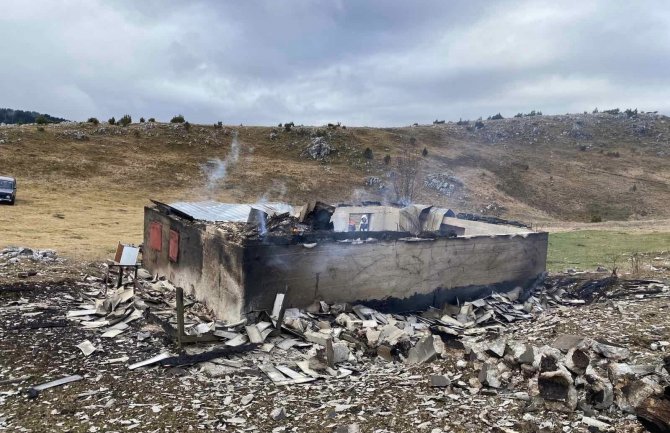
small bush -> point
(496, 117)
(479, 124)
(424, 152)
(462, 122)
(141, 119)
(412, 141)
(218, 125)
(40, 129)
(518, 115)
(112, 121)
(631, 113)
(613, 154)
(93, 120)
(187, 126)
(288, 126)
(582, 147)
(613, 111)
(41, 120)
(595, 110)
(136, 133)
(125, 120)
(367, 153)
(177, 119)
(596, 218)
(387, 159)
(633, 188)
(152, 120)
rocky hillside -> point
(10, 116)
(577, 167)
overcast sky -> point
(312, 62)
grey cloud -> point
(360, 62)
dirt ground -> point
(38, 344)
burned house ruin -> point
(237, 257)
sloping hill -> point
(82, 186)
(10, 116)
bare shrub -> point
(405, 175)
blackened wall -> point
(208, 266)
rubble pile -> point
(445, 184)
(508, 362)
(22, 262)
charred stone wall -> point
(207, 266)
(393, 274)
(388, 272)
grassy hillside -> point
(82, 186)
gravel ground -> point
(38, 344)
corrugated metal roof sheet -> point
(213, 211)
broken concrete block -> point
(439, 380)
(592, 422)
(489, 376)
(497, 347)
(548, 362)
(620, 373)
(372, 336)
(522, 353)
(422, 352)
(558, 386)
(553, 355)
(565, 342)
(599, 392)
(351, 428)
(611, 351)
(384, 352)
(341, 352)
(391, 335)
(86, 347)
(633, 394)
(577, 360)
(278, 414)
(654, 412)
(317, 338)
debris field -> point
(576, 353)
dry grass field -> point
(82, 187)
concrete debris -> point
(278, 414)
(341, 367)
(611, 351)
(558, 386)
(439, 380)
(423, 352)
(497, 348)
(86, 347)
(489, 376)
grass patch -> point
(589, 248)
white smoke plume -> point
(217, 169)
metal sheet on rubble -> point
(434, 219)
(214, 211)
(228, 212)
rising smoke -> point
(216, 169)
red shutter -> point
(156, 236)
(174, 245)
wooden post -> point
(120, 280)
(180, 315)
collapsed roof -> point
(412, 219)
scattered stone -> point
(439, 380)
(489, 376)
(278, 414)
